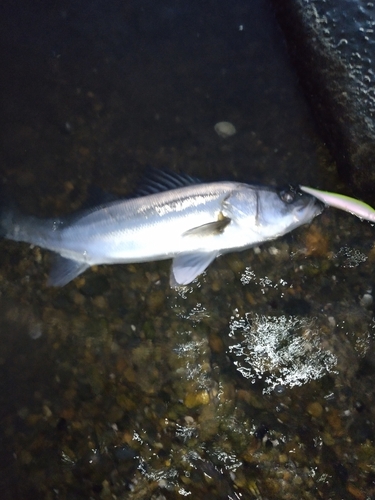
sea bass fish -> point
(176, 217)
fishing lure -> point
(336, 200)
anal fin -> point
(186, 267)
(64, 270)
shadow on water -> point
(254, 382)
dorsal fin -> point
(154, 181)
(158, 181)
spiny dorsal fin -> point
(158, 181)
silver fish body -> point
(191, 224)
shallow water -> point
(254, 382)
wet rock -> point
(317, 243)
(341, 471)
(261, 431)
(366, 301)
(355, 492)
(215, 342)
(198, 398)
(332, 44)
(155, 301)
(335, 422)
(209, 423)
(25, 457)
(122, 453)
(361, 430)
(62, 425)
(225, 129)
(328, 439)
(359, 406)
(315, 409)
(297, 307)
(95, 284)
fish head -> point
(282, 210)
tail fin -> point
(8, 213)
(41, 232)
(18, 227)
(10, 223)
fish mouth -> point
(309, 206)
(312, 202)
(321, 206)
(318, 205)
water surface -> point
(253, 382)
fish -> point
(174, 216)
(343, 202)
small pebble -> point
(196, 399)
(366, 301)
(100, 302)
(315, 409)
(225, 129)
(25, 457)
(35, 332)
(334, 420)
(331, 321)
(328, 440)
(46, 411)
(355, 492)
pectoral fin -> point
(188, 266)
(64, 270)
(210, 229)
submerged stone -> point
(198, 398)
(225, 129)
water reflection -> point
(282, 350)
(350, 257)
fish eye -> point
(287, 195)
